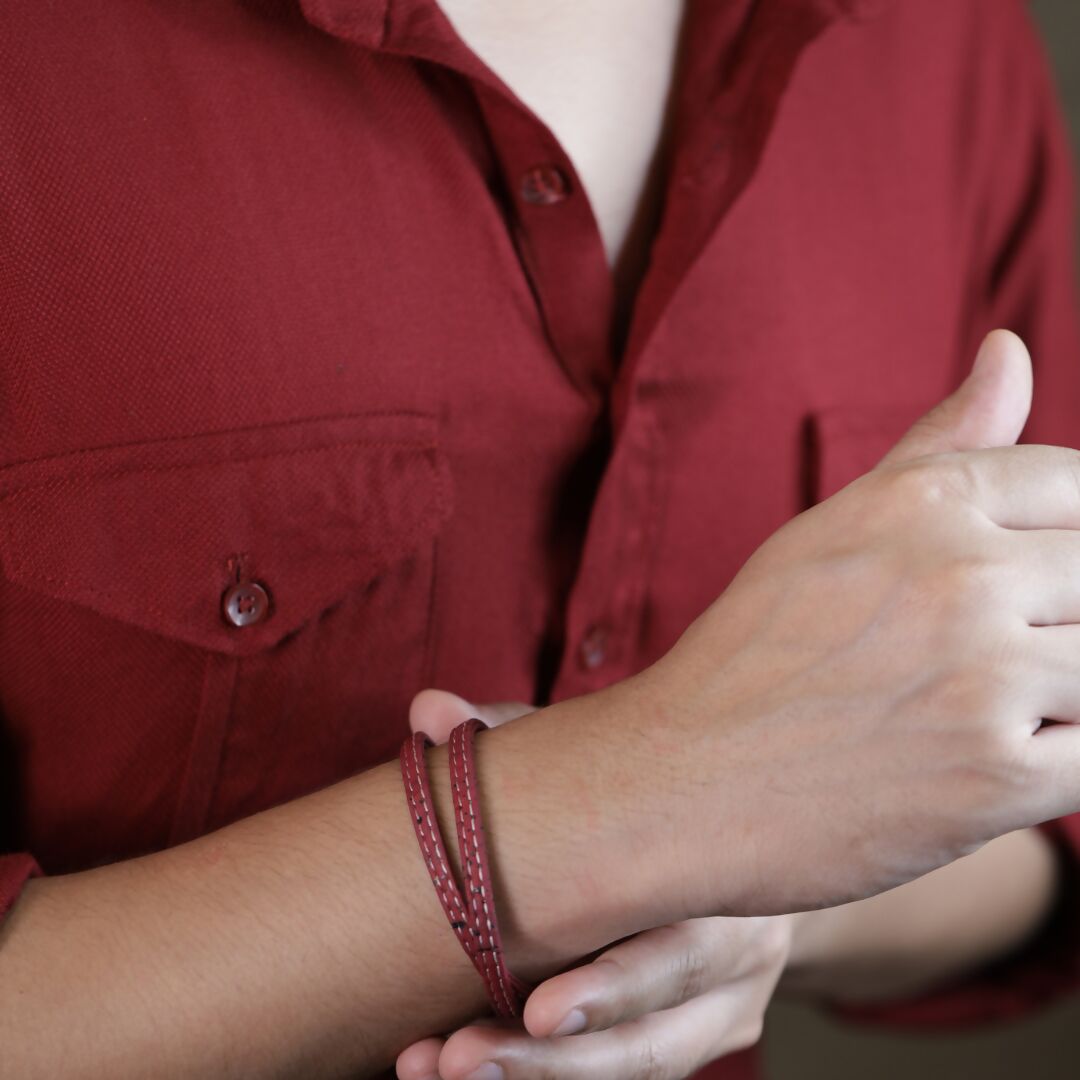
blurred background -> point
(1060, 24)
(801, 1044)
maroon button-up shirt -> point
(310, 395)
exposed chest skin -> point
(598, 73)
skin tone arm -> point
(699, 989)
(860, 706)
(307, 940)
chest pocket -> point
(296, 559)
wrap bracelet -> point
(470, 909)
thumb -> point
(989, 408)
(438, 712)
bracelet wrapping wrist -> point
(470, 905)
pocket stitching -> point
(67, 481)
(21, 573)
(179, 440)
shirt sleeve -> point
(1024, 280)
(15, 871)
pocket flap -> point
(155, 533)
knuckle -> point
(1003, 759)
(995, 646)
(991, 777)
(679, 972)
(689, 974)
(615, 971)
(975, 694)
(1051, 462)
(968, 598)
(966, 581)
(926, 484)
(971, 578)
(650, 1061)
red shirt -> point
(297, 294)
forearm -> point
(307, 940)
(912, 938)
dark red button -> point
(592, 651)
(543, 185)
(245, 603)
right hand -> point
(864, 703)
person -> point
(338, 369)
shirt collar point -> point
(360, 21)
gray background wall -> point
(801, 1045)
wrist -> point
(570, 825)
(811, 935)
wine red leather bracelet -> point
(470, 907)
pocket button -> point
(245, 603)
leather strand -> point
(469, 907)
(479, 885)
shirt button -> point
(592, 651)
(245, 603)
(543, 185)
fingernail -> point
(488, 1071)
(573, 1022)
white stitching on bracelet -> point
(480, 873)
(491, 970)
(452, 902)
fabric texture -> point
(279, 305)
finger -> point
(1019, 487)
(1048, 761)
(438, 712)
(420, 1061)
(657, 969)
(1055, 754)
(1046, 672)
(1030, 675)
(989, 408)
(671, 1044)
(1047, 574)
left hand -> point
(659, 1005)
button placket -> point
(558, 240)
(607, 604)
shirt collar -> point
(420, 27)
(364, 22)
